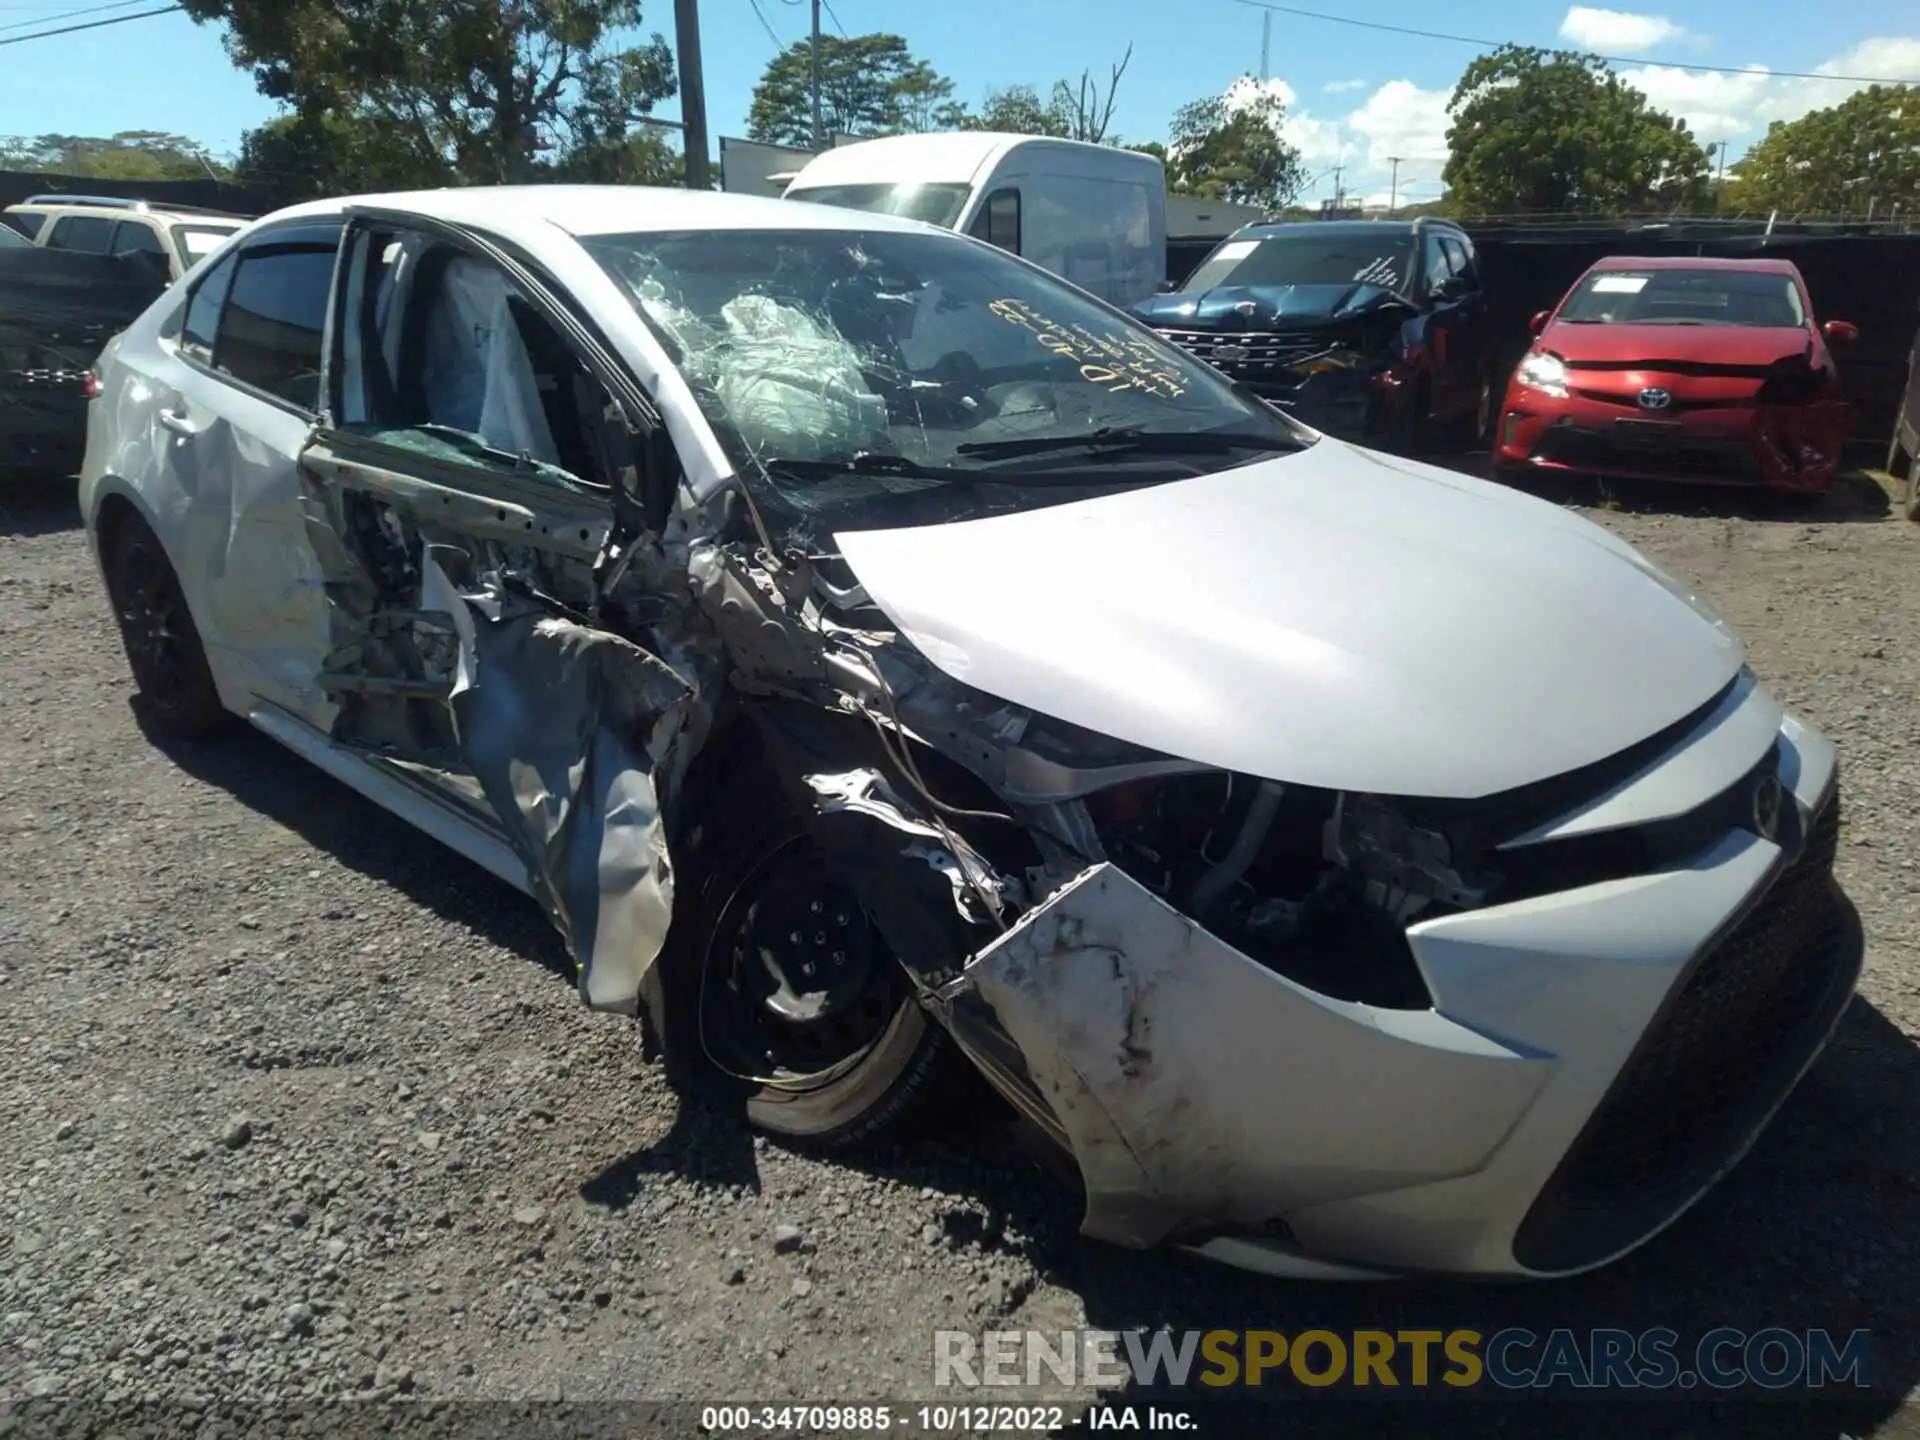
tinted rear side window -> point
(88, 233)
(26, 222)
(133, 238)
(275, 313)
(203, 312)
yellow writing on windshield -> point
(1114, 361)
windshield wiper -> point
(1130, 440)
(863, 462)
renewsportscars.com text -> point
(1725, 1358)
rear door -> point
(234, 411)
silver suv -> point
(101, 225)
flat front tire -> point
(782, 994)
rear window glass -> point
(275, 313)
(87, 233)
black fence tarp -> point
(1871, 279)
(207, 194)
(57, 309)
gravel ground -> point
(297, 1106)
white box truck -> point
(1092, 214)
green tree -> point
(1541, 131)
(494, 88)
(306, 155)
(869, 85)
(128, 155)
(1234, 150)
(1865, 150)
(647, 158)
(1019, 110)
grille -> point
(1713, 1066)
(1252, 352)
(1723, 460)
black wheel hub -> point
(798, 977)
(153, 620)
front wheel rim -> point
(796, 985)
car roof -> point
(1263, 228)
(583, 210)
(954, 157)
(53, 209)
(1755, 265)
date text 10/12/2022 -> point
(939, 1419)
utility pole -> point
(813, 84)
(693, 94)
(1338, 193)
(1266, 45)
(1720, 176)
(1393, 188)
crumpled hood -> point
(1260, 307)
(1335, 618)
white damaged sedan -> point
(878, 656)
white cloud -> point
(1341, 87)
(1741, 106)
(1617, 32)
(1402, 119)
(1319, 141)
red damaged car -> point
(1710, 371)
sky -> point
(1356, 97)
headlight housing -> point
(1544, 371)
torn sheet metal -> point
(577, 738)
(1202, 1093)
(866, 792)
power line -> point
(761, 16)
(1583, 54)
(836, 20)
(68, 15)
(90, 25)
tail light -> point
(90, 385)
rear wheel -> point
(163, 647)
(784, 991)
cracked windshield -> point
(843, 370)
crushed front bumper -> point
(1785, 447)
(1593, 1061)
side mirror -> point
(1539, 321)
(1841, 332)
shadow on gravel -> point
(1818, 1228)
(708, 1145)
(363, 837)
(1855, 497)
(36, 504)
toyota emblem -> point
(1654, 398)
(1767, 797)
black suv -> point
(1376, 330)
